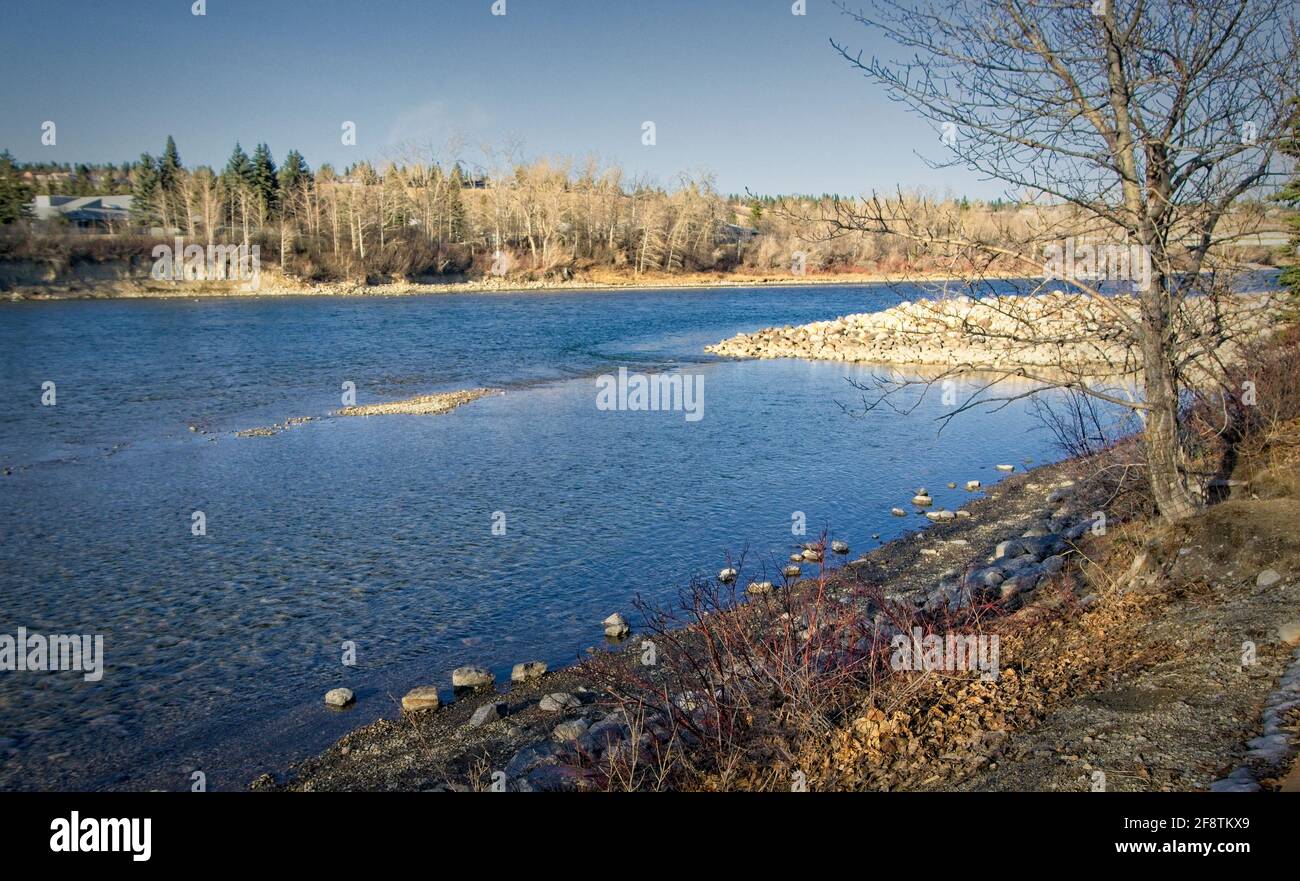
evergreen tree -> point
(15, 194)
(265, 184)
(239, 170)
(169, 167)
(145, 191)
(294, 174)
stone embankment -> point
(1047, 331)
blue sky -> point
(740, 88)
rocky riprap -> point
(1019, 564)
(1071, 330)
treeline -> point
(412, 219)
(421, 219)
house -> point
(86, 212)
(734, 233)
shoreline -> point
(277, 285)
(537, 734)
(143, 290)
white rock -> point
(973, 485)
(1267, 578)
(616, 626)
(726, 576)
(1006, 467)
(758, 588)
(839, 547)
(339, 697)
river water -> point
(378, 532)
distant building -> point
(733, 233)
(86, 212)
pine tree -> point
(294, 173)
(266, 186)
(15, 194)
(169, 167)
(238, 171)
(145, 191)
(237, 181)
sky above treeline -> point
(742, 89)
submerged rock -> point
(839, 547)
(616, 626)
(339, 697)
(726, 576)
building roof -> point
(82, 208)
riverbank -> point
(1123, 666)
(124, 286)
(1051, 331)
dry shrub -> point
(740, 692)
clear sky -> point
(741, 88)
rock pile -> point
(1046, 330)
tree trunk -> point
(1164, 448)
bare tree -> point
(1139, 122)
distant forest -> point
(420, 218)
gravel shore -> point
(992, 333)
(1133, 681)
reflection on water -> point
(379, 531)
